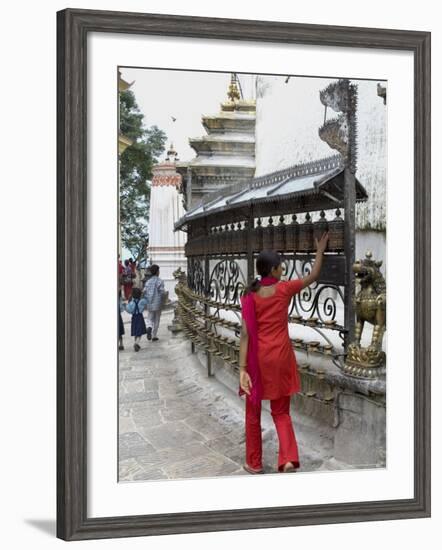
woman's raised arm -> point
(321, 245)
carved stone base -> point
(175, 326)
(364, 362)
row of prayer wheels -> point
(282, 237)
(200, 327)
(219, 345)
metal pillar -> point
(349, 247)
(350, 214)
(206, 306)
(189, 188)
(342, 96)
(250, 262)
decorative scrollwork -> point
(227, 282)
(195, 274)
(323, 311)
(307, 303)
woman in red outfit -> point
(267, 362)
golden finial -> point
(233, 93)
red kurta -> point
(276, 357)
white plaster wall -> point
(372, 156)
(375, 242)
(165, 209)
(288, 118)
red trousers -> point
(288, 447)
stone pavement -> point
(176, 423)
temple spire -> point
(226, 153)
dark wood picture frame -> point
(73, 27)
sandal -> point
(247, 468)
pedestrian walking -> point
(147, 276)
(154, 293)
(137, 275)
(120, 322)
(120, 273)
(267, 362)
(136, 307)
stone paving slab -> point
(210, 427)
(210, 465)
(176, 410)
(132, 444)
(128, 468)
(135, 397)
(151, 474)
(227, 447)
(145, 418)
(170, 434)
(173, 455)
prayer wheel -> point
(279, 235)
(267, 238)
(292, 235)
(306, 242)
(336, 233)
(257, 238)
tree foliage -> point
(136, 164)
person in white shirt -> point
(153, 293)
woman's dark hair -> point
(126, 262)
(136, 293)
(265, 262)
(154, 269)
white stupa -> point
(166, 247)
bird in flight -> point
(173, 119)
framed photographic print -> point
(243, 274)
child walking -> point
(154, 292)
(136, 307)
(268, 368)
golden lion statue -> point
(370, 307)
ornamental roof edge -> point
(332, 163)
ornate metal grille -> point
(195, 274)
(313, 302)
(227, 282)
